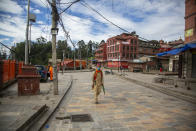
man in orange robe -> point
(51, 72)
(97, 82)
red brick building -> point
(164, 46)
(121, 49)
(148, 48)
(190, 21)
(188, 59)
(100, 54)
(176, 43)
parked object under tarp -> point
(178, 50)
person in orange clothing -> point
(98, 82)
(51, 72)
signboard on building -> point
(189, 32)
(125, 42)
(117, 42)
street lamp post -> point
(32, 18)
(118, 62)
(27, 35)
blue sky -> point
(151, 19)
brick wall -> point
(190, 19)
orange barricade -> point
(20, 64)
(12, 70)
(6, 66)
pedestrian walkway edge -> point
(43, 119)
(54, 109)
(161, 89)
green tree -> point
(82, 48)
(20, 51)
(61, 46)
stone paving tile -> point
(14, 109)
(127, 106)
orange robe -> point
(51, 72)
(97, 83)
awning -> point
(178, 50)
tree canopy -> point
(41, 50)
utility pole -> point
(74, 58)
(87, 58)
(29, 44)
(27, 35)
(63, 60)
(54, 32)
(14, 54)
(80, 60)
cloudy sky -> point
(151, 19)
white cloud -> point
(4, 39)
(10, 7)
(37, 11)
(40, 22)
(151, 19)
(41, 3)
(160, 19)
(15, 27)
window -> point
(123, 54)
(132, 41)
(116, 48)
(195, 21)
(130, 56)
(135, 42)
(123, 48)
(134, 55)
(127, 48)
(131, 48)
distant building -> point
(174, 60)
(100, 54)
(121, 49)
(146, 48)
(164, 46)
(175, 43)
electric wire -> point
(69, 6)
(7, 47)
(91, 8)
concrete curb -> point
(7, 85)
(76, 71)
(28, 123)
(176, 94)
(41, 119)
(69, 87)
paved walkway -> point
(16, 110)
(125, 107)
(149, 79)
